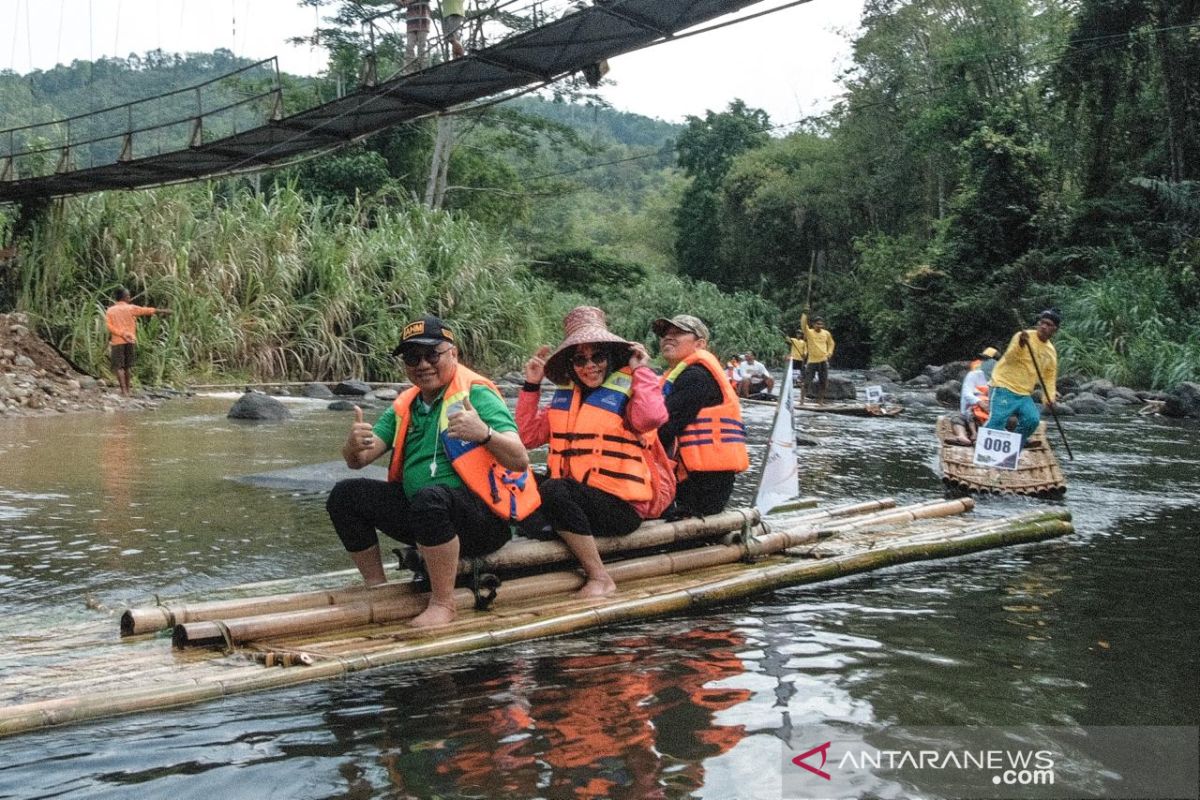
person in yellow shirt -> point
(1029, 353)
(799, 356)
(819, 347)
(121, 320)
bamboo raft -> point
(250, 640)
(1038, 473)
(845, 409)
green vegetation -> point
(988, 158)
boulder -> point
(1100, 386)
(884, 372)
(1124, 393)
(954, 371)
(1088, 403)
(1064, 410)
(352, 388)
(341, 405)
(255, 406)
(916, 399)
(1066, 384)
(387, 395)
(317, 391)
(1183, 401)
(948, 393)
(1121, 403)
(919, 381)
(839, 389)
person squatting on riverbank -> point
(1015, 377)
(459, 480)
(121, 320)
(600, 425)
(704, 431)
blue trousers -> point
(1005, 403)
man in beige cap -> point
(710, 447)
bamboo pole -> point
(745, 581)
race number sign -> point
(998, 449)
(874, 395)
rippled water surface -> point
(1101, 628)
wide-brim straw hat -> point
(582, 325)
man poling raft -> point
(1029, 360)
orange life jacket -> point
(715, 441)
(978, 411)
(510, 495)
(591, 443)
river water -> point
(100, 511)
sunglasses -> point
(597, 358)
(430, 357)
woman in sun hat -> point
(601, 426)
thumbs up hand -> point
(362, 437)
(465, 423)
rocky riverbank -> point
(940, 386)
(36, 380)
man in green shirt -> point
(459, 478)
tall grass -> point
(272, 287)
(1129, 326)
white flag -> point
(780, 480)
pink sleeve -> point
(533, 423)
(647, 410)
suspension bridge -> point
(540, 56)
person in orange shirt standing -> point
(121, 319)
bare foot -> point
(436, 614)
(598, 587)
(963, 440)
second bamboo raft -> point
(1038, 473)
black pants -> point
(435, 515)
(572, 507)
(703, 493)
(819, 370)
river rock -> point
(953, 371)
(255, 406)
(1124, 393)
(919, 381)
(1100, 386)
(1064, 409)
(386, 394)
(1088, 403)
(352, 388)
(804, 440)
(916, 399)
(884, 372)
(341, 405)
(318, 391)
(1183, 401)
(948, 393)
(838, 389)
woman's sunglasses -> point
(430, 357)
(580, 360)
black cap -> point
(427, 331)
(1052, 314)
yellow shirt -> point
(819, 342)
(1015, 371)
(799, 349)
